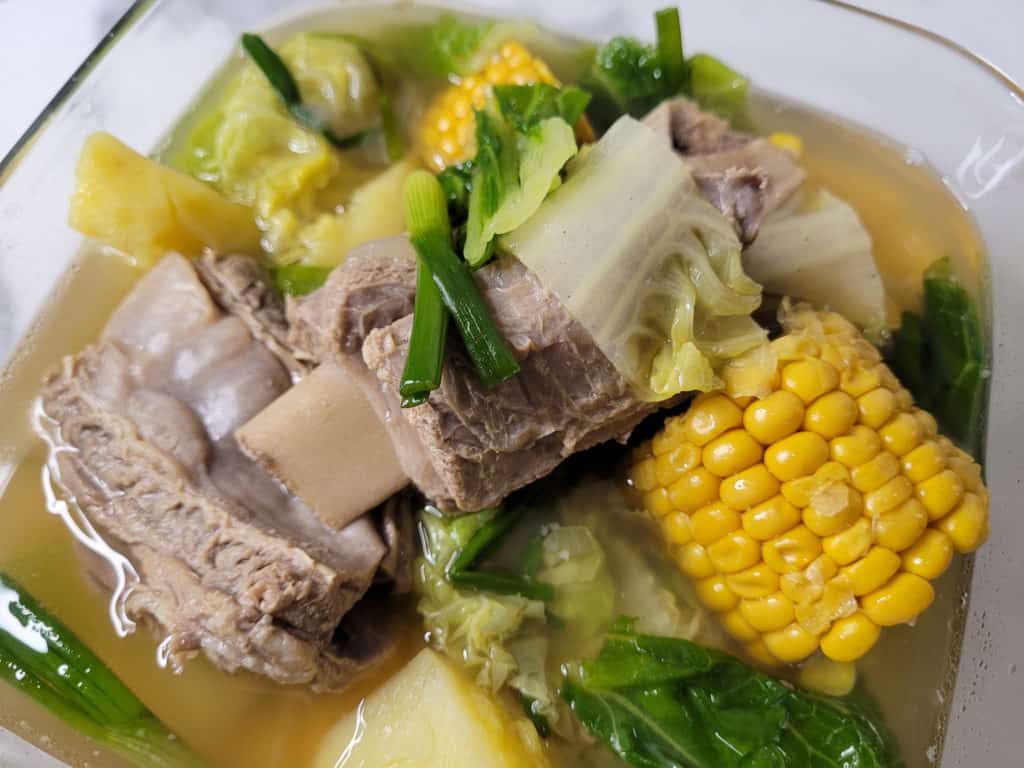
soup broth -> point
(244, 720)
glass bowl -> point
(959, 114)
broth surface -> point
(245, 720)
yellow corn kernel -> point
(858, 380)
(794, 347)
(760, 654)
(709, 417)
(791, 644)
(834, 508)
(850, 638)
(831, 415)
(754, 582)
(902, 434)
(766, 614)
(790, 142)
(693, 490)
(899, 601)
(806, 586)
(836, 602)
(967, 469)
(694, 561)
(670, 436)
(810, 378)
(941, 493)
(876, 407)
(643, 476)
(738, 627)
(889, 496)
(714, 521)
(716, 595)
(929, 427)
(734, 552)
(856, 448)
(848, 545)
(873, 474)
(905, 401)
(901, 527)
(448, 132)
(775, 417)
(930, 556)
(792, 551)
(796, 456)
(731, 453)
(872, 571)
(967, 525)
(799, 492)
(831, 678)
(770, 518)
(669, 467)
(925, 461)
(748, 488)
(658, 502)
(678, 528)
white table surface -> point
(42, 42)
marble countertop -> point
(42, 42)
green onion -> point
(670, 47)
(281, 80)
(502, 584)
(427, 216)
(425, 362)
(43, 659)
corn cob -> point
(448, 135)
(815, 516)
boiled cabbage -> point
(821, 253)
(255, 153)
(645, 263)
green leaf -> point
(527, 106)
(718, 88)
(626, 78)
(668, 703)
(299, 279)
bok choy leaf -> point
(667, 703)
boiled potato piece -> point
(374, 212)
(146, 210)
(431, 715)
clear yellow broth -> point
(236, 720)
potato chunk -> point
(146, 210)
(431, 715)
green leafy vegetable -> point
(659, 286)
(629, 77)
(573, 562)
(659, 701)
(299, 279)
(280, 78)
(457, 182)
(524, 137)
(940, 356)
(43, 659)
(490, 354)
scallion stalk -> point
(427, 220)
(670, 47)
(43, 659)
(281, 80)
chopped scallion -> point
(670, 47)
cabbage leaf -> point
(823, 254)
(524, 138)
(649, 267)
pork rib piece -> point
(468, 447)
(143, 423)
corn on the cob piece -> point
(448, 135)
(815, 516)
